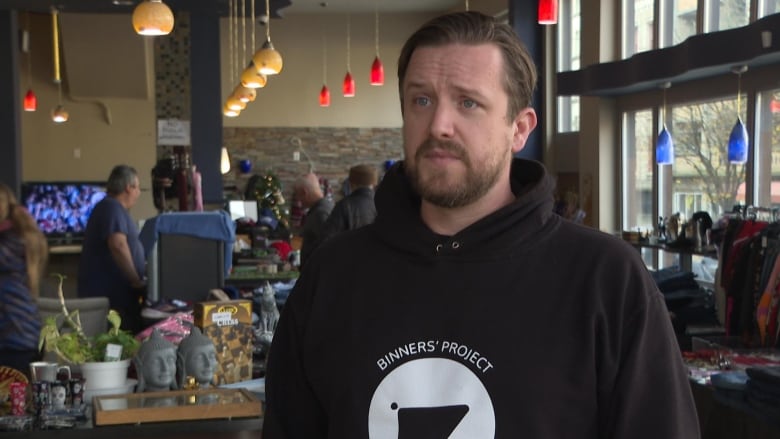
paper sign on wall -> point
(173, 132)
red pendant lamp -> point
(548, 12)
(324, 91)
(348, 86)
(30, 100)
(377, 69)
(324, 96)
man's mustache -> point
(429, 145)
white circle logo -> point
(431, 398)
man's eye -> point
(422, 101)
(468, 103)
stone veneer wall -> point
(172, 75)
(332, 152)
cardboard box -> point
(229, 325)
(222, 313)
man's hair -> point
(474, 28)
(121, 176)
(362, 176)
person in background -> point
(468, 308)
(23, 255)
(356, 209)
(112, 260)
(307, 190)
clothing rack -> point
(770, 214)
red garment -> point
(283, 248)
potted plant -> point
(75, 348)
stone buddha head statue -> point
(196, 357)
(155, 364)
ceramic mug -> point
(45, 371)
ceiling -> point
(279, 8)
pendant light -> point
(30, 100)
(348, 86)
(152, 17)
(245, 94)
(324, 91)
(664, 146)
(58, 115)
(548, 12)
(224, 163)
(250, 77)
(268, 60)
(377, 69)
(232, 106)
(738, 139)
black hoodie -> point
(522, 325)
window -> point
(637, 171)
(767, 151)
(568, 58)
(639, 22)
(726, 14)
(678, 21)
(768, 7)
(702, 177)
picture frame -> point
(175, 405)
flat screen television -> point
(62, 209)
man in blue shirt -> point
(112, 258)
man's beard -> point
(436, 185)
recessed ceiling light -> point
(122, 2)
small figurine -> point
(196, 358)
(155, 364)
(269, 313)
(59, 394)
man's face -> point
(134, 191)
(458, 141)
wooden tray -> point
(175, 405)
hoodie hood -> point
(400, 225)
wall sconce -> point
(152, 17)
(224, 164)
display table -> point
(718, 420)
(245, 428)
(685, 252)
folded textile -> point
(769, 374)
(671, 278)
(731, 380)
(764, 392)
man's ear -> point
(524, 124)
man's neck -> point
(449, 221)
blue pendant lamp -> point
(738, 139)
(664, 146)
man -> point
(469, 309)
(357, 208)
(112, 258)
(308, 191)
